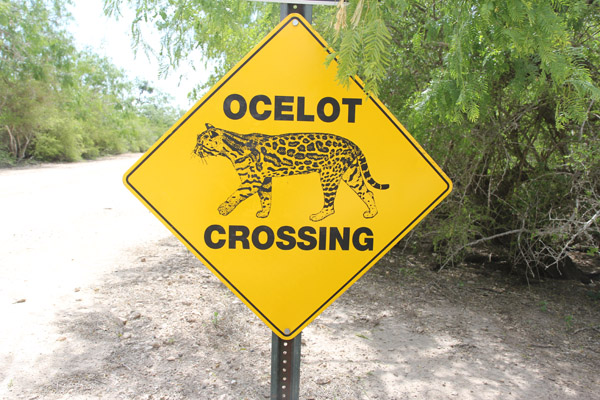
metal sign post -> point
(285, 368)
(304, 9)
(285, 354)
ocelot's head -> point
(209, 142)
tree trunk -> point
(12, 144)
(23, 148)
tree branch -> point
(585, 226)
(583, 124)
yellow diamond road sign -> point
(287, 185)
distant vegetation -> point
(61, 104)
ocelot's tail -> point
(367, 175)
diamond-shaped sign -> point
(287, 185)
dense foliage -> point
(60, 104)
(503, 94)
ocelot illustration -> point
(258, 158)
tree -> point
(505, 94)
(58, 104)
(34, 59)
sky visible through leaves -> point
(110, 37)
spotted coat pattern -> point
(258, 158)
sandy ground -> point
(98, 301)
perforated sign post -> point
(287, 185)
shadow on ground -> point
(163, 327)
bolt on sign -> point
(287, 185)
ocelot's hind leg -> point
(353, 177)
(264, 192)
(330, 182)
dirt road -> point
(97, 300)
(63, 227)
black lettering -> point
(227, 106)
(208, 236)
(305, 233)
(284, 104)
(323, 238)
(239, 233)
(352, 103)
(288, 241)
(260, 98)
(335, 112)
(342, 239)
(367, 244)
(256, 237)
(301, 115)
(286, 238)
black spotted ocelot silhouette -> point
(258, 158)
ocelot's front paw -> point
(225, 209)
(263, 213)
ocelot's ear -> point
(212, 130)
